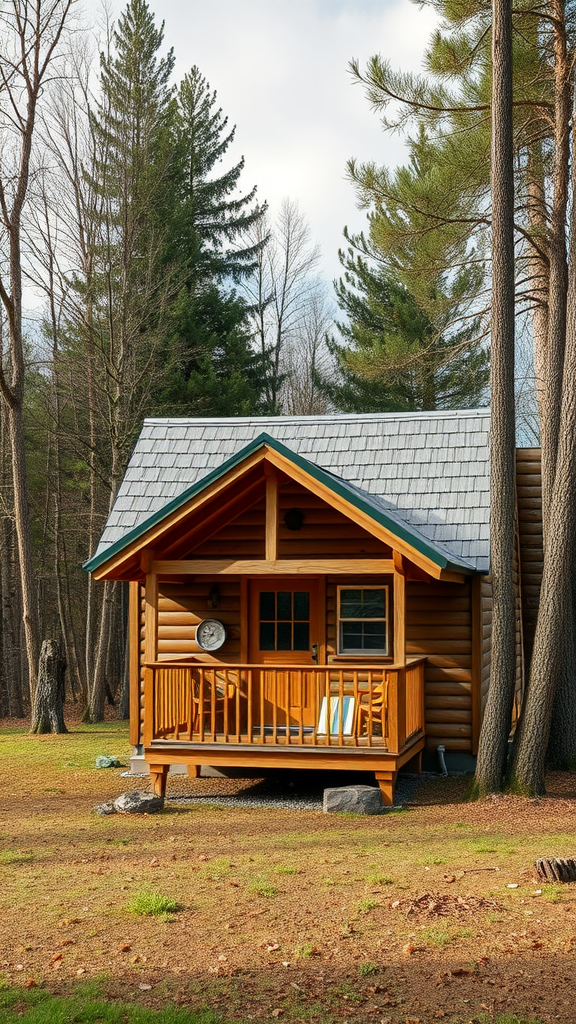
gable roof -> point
(426, 473)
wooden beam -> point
(272, 514)
(399, 652)
(398, 563)
(151, 621)
(452, 577)
(283, 567)
(134, 662)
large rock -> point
(353, 800)
(138, 802)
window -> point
(363, 620)
(284, 620)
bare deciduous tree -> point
(31, 33)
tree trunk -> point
(48, 713)
(553, 642)
(498, 714)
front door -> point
(284, 632)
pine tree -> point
(215, 369)
(410, 339)
(211, 218)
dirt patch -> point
(282, 914)
(434, 904)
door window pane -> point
(284, 636)
(301, 606)
(267, 606)
(301, 636)
(284, 606)
(267, 636)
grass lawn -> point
(211, 914)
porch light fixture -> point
(293, 519)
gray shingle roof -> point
(430, 469)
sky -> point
(280, 68)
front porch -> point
(364, 717)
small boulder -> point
(105, 809)
(353, 800)
(138, 802)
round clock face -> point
(210, 634)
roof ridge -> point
(328, 418)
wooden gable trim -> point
(197, 502)
(122, 557)
(361, 518)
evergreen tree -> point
(410, 339)
(216, 371)
(211, 218)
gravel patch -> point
(287, 791)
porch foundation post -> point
(387, 781)
(158, 778)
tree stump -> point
(556, 869)
(48, 711)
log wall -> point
(529, 498)
(325, 532)
(439, 626)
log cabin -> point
(306, 591)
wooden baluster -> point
(341, 709)
(300, 708)
(356, 697)
(237, 696)
(393, 711)
(328, 695)
(401, 708)
(149, 732)
(189, 703)
(201, 691)
(422, 694)
(261, 678)
(249, 723)
(226, 723)
(317, 674)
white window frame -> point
(357, 652)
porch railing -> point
(305, 705)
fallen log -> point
(556, 869)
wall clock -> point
(210, 634)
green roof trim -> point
(390, 522)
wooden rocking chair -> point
(373, 704)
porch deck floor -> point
(281, 738)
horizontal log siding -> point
(325, 533)
(529, 499)
(182, 606)
(486, 602)
(439, 626)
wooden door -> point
(284, 617)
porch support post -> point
(387, 781)
(151, 618)
(159, 778)
(272, 513)
(399, 610)
(134, 661)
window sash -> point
(343, 620)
